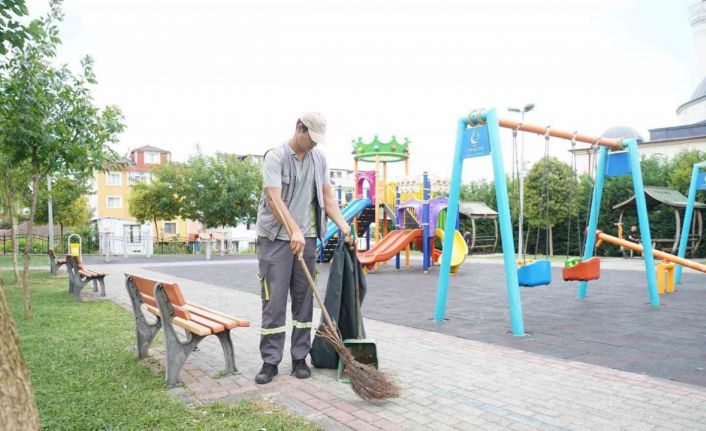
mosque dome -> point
(698, 96)
(622, 132)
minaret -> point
(694, 110)
(697, 17)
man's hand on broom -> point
(348, 238)
(297, 243)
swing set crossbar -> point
(614, 144)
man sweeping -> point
(296, 181)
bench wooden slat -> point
(91, 274)
(226, 320)
(146, 288)
(189, 325)
(215, 327)
(149, 300)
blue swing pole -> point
(641, 203)
(508, 243)
(593, 217)
(452, 213)
(688, 214)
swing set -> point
(538, 272)
(478, 135)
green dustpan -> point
(364, 350)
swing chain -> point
(571, 198)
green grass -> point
(86, 377)
(34, 259)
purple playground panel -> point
(436, 205)
(412, 204)
(369, 177)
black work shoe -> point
(300, 369)
(267, 372)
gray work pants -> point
(281, 275)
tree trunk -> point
(10, 202)
(18, 410)
(15, 246)
(156, 230)
(28, 247)
(61, 237)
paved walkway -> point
(447, 382)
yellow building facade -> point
(113, 188)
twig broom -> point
(368, 382)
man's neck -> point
(299, 153)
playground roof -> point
(476, 210)
(660, 195)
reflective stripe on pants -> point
(281, 275)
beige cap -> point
(316, 123)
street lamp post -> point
(50, 215)
(528, 107)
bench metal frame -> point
(54, 263)
(77, 280)
(176, 351)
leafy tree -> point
(155, 201)
(679, 171)
(69, 203)
(50, 120)
(12, 31)
(220, 190)
(12, 184)
(550, 189)
(18, 409)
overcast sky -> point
(233, 75)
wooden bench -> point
(79, 276)
(54, 262)
(165, 301)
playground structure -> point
(370, 196)
(377, 201)
(475, 211)
(667, 257)
(478, 135)
(663, 196)
(422, 234)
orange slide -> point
(390, 245)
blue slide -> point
(353, 209)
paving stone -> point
(513, 383)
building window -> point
(170, 228)
(115, 202)
(135, 177)
(135, 234)
(113, 178)
(152, 158)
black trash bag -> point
(340, 304)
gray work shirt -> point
(302, 206)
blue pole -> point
(425, 223)
(689, 213)
(641, 203)
(338, 192)
(397, 222)
(508, 243)
(593, 216)
(452, 212)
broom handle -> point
(312, 283)
(358, 317)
